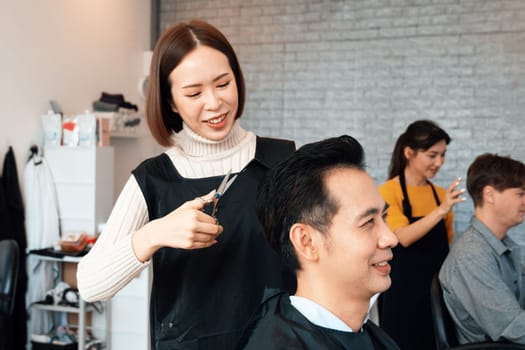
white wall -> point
(69, 51)
(316, 69)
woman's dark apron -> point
(203, 298)
(405, 308)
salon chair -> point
(445, 330)
(8, 277)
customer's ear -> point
(488, 194)
(301, 236)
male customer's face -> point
(509, 205)
(358, 244)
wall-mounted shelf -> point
(124, 125)
(125, 134)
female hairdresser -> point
(420, 214)
(208, 274)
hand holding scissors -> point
(226, 182)
(186, 227)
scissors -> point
(225, 183)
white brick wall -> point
(316, 69)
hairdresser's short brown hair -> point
(496, 171)
(173, 45)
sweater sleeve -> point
(111, 263)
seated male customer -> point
(482, 277)
(323, 215)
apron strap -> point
(407, 208)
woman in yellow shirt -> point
(420, 214)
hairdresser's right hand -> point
(452, 197)
(186, 227)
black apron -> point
(280, 326)
(405, 308)
(203, 298)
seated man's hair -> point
(496, 171)
(294, 191)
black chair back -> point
(8, 275)
(444, 329)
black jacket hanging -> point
(13, 226)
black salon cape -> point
(279, 325)
(203, 298)
(12, 226)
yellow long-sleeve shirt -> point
(422, 202)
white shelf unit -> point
(84, 182)
(82, 310)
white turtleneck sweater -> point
(111, 264)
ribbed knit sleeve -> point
(111, 263)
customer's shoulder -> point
(269, 328)
(468, 247)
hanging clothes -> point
(7, 334)
(13, 227)
(43, 231)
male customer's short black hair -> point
(294, 191)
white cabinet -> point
(84, 179)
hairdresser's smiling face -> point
(425, 164)
(204, 93)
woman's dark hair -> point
(419, 136)
(295, 191)
(171, 48)
(496, 171)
